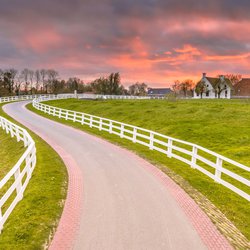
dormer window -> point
(225, 85)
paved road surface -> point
(124, 205)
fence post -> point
(134, 135)
(170, 143)
(19, 185)
(100, 124)
(91, 121)
(60, 113)
(54, 111)
(194, 154)
(67, 115)
(151, 141)
(82, 122)
(11, 130)
(6, 127)
(110, 127)
(122, 130)
(74, 117)
(25, 140)
(17, 135)
(217, 176)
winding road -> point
(117, 200)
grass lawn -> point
(219, 125)
(10, 152)
(34, 219)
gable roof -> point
(215, 81)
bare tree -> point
(13, 74)
(31, 78)
(43, 74)
(186, 86)
(176, 87)
(52, 79)
(25, 75)
(37, 79)
(139, 89)
(18, 83)
(234, 78)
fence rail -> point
(30, 97)
(14, 183)
(221, 169)
(129, 97)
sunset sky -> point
(152, 41)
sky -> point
(151, 41)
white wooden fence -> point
(223, 170)
(12, 186)
(129, 97)
(28, 97)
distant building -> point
(213, 87)
(158, 92)
(242, 88)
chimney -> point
(222, 78)
(204, 75)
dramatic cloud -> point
(155, 41)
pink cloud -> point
(41, 40)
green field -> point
(10, 152)
(34, 219)
(219, 125)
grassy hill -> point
(220, 125)
(10, 152)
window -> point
(207, 93)
(226, 93)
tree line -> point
(47, 81)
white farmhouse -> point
(213, 87)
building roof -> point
(242, 88)
(158, 91)
(215, 81)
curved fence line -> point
(221, 169)
(14, 183)
(80, 96)
(27, 97)
(129, 97)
